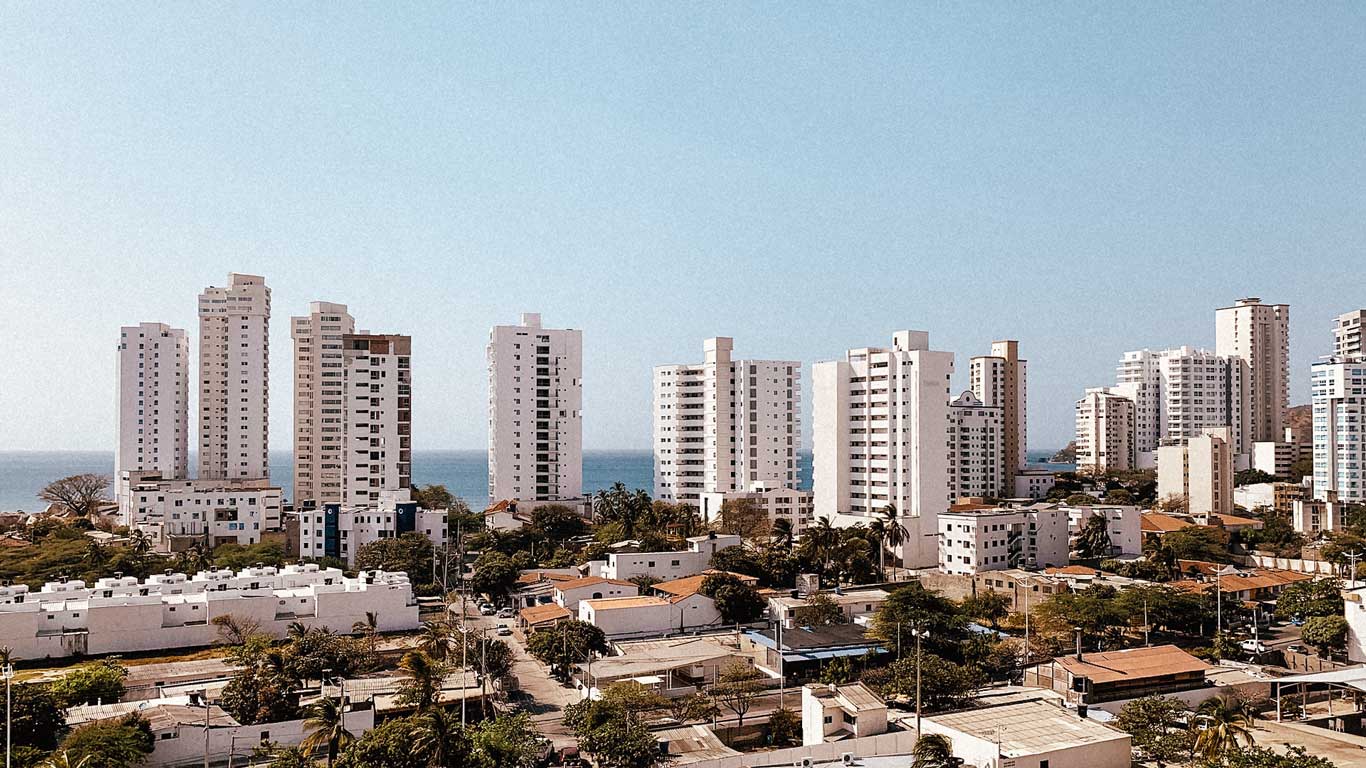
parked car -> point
(1296, 648)
(503, 631)
(1297, 620)
(506, 613)
(1252, 645)
(486, 609)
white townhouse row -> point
(974, 539)
(172, 610)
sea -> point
(463, 472)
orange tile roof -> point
(1133, 664)
(590, 581)
(538, 576)
(1156, 522)
(1255, 578)
(689, 585)
(1073, 570)
(540, 614)
(1238, 522)
(612, 603)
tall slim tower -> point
(1347, 334)
(378, 429)
(1339, 442)
(1259, 334)
(535, 412)
(234, 379)
(999, 380)
(725, 425)
(153, 402)
(881, 438)
(319, 407)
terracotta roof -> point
(690, 585)
(1245, 580)
(536, 576)
(590, 581)
(1073, 570)
(1238, 522)
(1156, 522)
(540, 614)
(612, 603)
(1133, 664)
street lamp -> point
(919, 633)
(8, 674)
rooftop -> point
(853, 698)
(539, 614)
(691, 585)
(1028, 727)
(590, 581)
(1132, 664)
(812, 638)
(614, 603)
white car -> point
(1253, 645)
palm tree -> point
(140, 541)
(324, 727)
(892, 533)
(782, 532)
(63, 760)
(821, 539)
(439, 736)
(425, 677)
(369, 628)
(296, 631)
(933, 750)
(7, 656)
(436, 639)
(1224, 721)
(95, 554)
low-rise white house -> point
(841, 711)
(171, 610)
(179, 513)
(1034, 483)
(854, 604)
(1354, 610)
(665, 566)
(569, 593)
(1314, 516)
(1123, 522)
(650, 616)
(788, 504)
(340, 531)
(990, 539)
(1038, 733)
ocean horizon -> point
(464, 472)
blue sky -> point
(806, 178)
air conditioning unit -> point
(805, 762)
(847, 758)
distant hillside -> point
(1067, 455)
(1299, 417)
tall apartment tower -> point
(975, 447)
(725, 425)
(1258, 334)
(880, 438)
(1347, 334)
(1339, 413)
(319, 407)
(535, 412)
(999, 380)
(1105, 431)
(1179, 393)
(234, 379)
(379, 421)
(153, 403)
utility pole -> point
(917, 633)
(8, 673)
(464, 658)
(782, 680)
(1026, 602)
(1352, 558)
(1146, 642)
(206, 728)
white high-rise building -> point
(1338, 390)
(535, 412)
(976, 442)
(234, 379)
(999, 380)
(319, 410)
(379, 421)
(1179, 393)
(725, 425)
(879, 438)
(1199, 469)
(1105, 431)
(1347, 334)
(153, 403)
(1260, 335)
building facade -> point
(1258, 334)
(788, 504)
(153, 403)
(1200, 470)
(976, 540)
(1178, 393)
(535, 412)
(725, 425)
(999, 380)
(172, 610)
(180, 513)
(976, 447)
(340, 531)
(234, 379)
(1105, 432)
(879, 438)
(1347, 334)
(1338, 389)
(319, 407)
(379, 416)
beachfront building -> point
(1105, 432)
(1178, 393)
(999, 380)
(879, 439)
(234, 380)
(1338, 390)
(173, 610)
(178, 513)
(725, 425)
(790, 504)
(1347, 334)
(535, 412)
(976, 448)
(319, 401)
(153, 403)
(1259, 335)
(665, 566)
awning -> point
(1351, 677)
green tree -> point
(784, 728)
(395, 743)
(1223, 724)
(612, 738)
(1311, 597)
(1080, 500)
(437, 734)
(1158, 727)
(508, 741)
(260, 693)
(837, 671)
(913, 606)
(698, 706)
(39, 717)
(558, 522)
(91, 683)
(489, 655)
(933, 750)
(494, 575)
(737, 560)
(239, 556)
(277, 756)
(1327, 634)
(888, 532)
(425, 675)
(944, 685)
(744, 517)
(1094, 539)
(634, 698)
(121, 743)
(988, 605)
(739, 603)
(78, 495)
(623, 507)
(1264, 757)
(1198, 542)
(410, 553)
(566, 644)
(1253, 477)
(432, 496)
(324, 726)
(820, 610)
(737, 688)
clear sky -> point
(806, 178)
